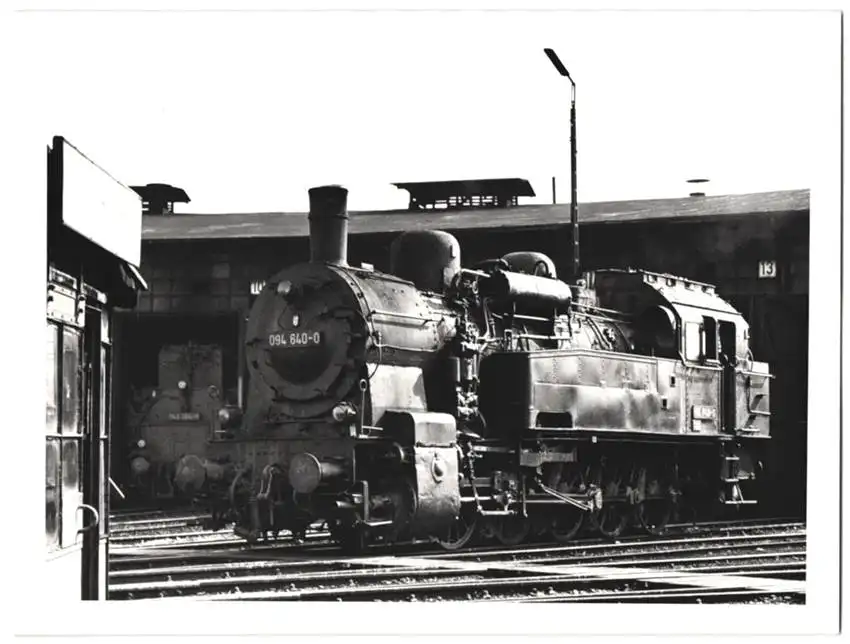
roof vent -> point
(159, 198)
(454, 195)
(697, 192)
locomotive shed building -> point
(203, 271)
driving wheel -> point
(566, 524)
(611, 520)
(653, 515)
(512, 530)
(459, 533)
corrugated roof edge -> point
(293, 225)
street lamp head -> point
(553, 57)
(574, 250)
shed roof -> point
(291, 225)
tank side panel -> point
(702, 400)
(581, 390)
(604, 391)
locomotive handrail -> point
(750, 410)
(603, 318)
(483, 340)
(519, 316)
(363, 386)
(116, 488)
(535, 336)
(750, 374)
(395, 347)
(93, 524)
(406, 316)
(473, 271)
(619, 315)
(590, 318)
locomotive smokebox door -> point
(431, 438)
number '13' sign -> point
(767, 269)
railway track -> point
(154, 523)
(170, 530)
(151, 530)
(735, 561)
(176, 531)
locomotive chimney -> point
(329, 225)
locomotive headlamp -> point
(141, 443)
(140, 465)
(284, 288)
(182, 385)
(343, 412)
(229, 416)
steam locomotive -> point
(173, 419)
(441, 402)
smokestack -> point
(329, 225)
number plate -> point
(185, 416)
(295, 339)
(704, 412)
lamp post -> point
(559, 66)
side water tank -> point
(428, 258)
(531, 263)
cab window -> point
(693, 341)
(709, 326)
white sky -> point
(247, 110)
